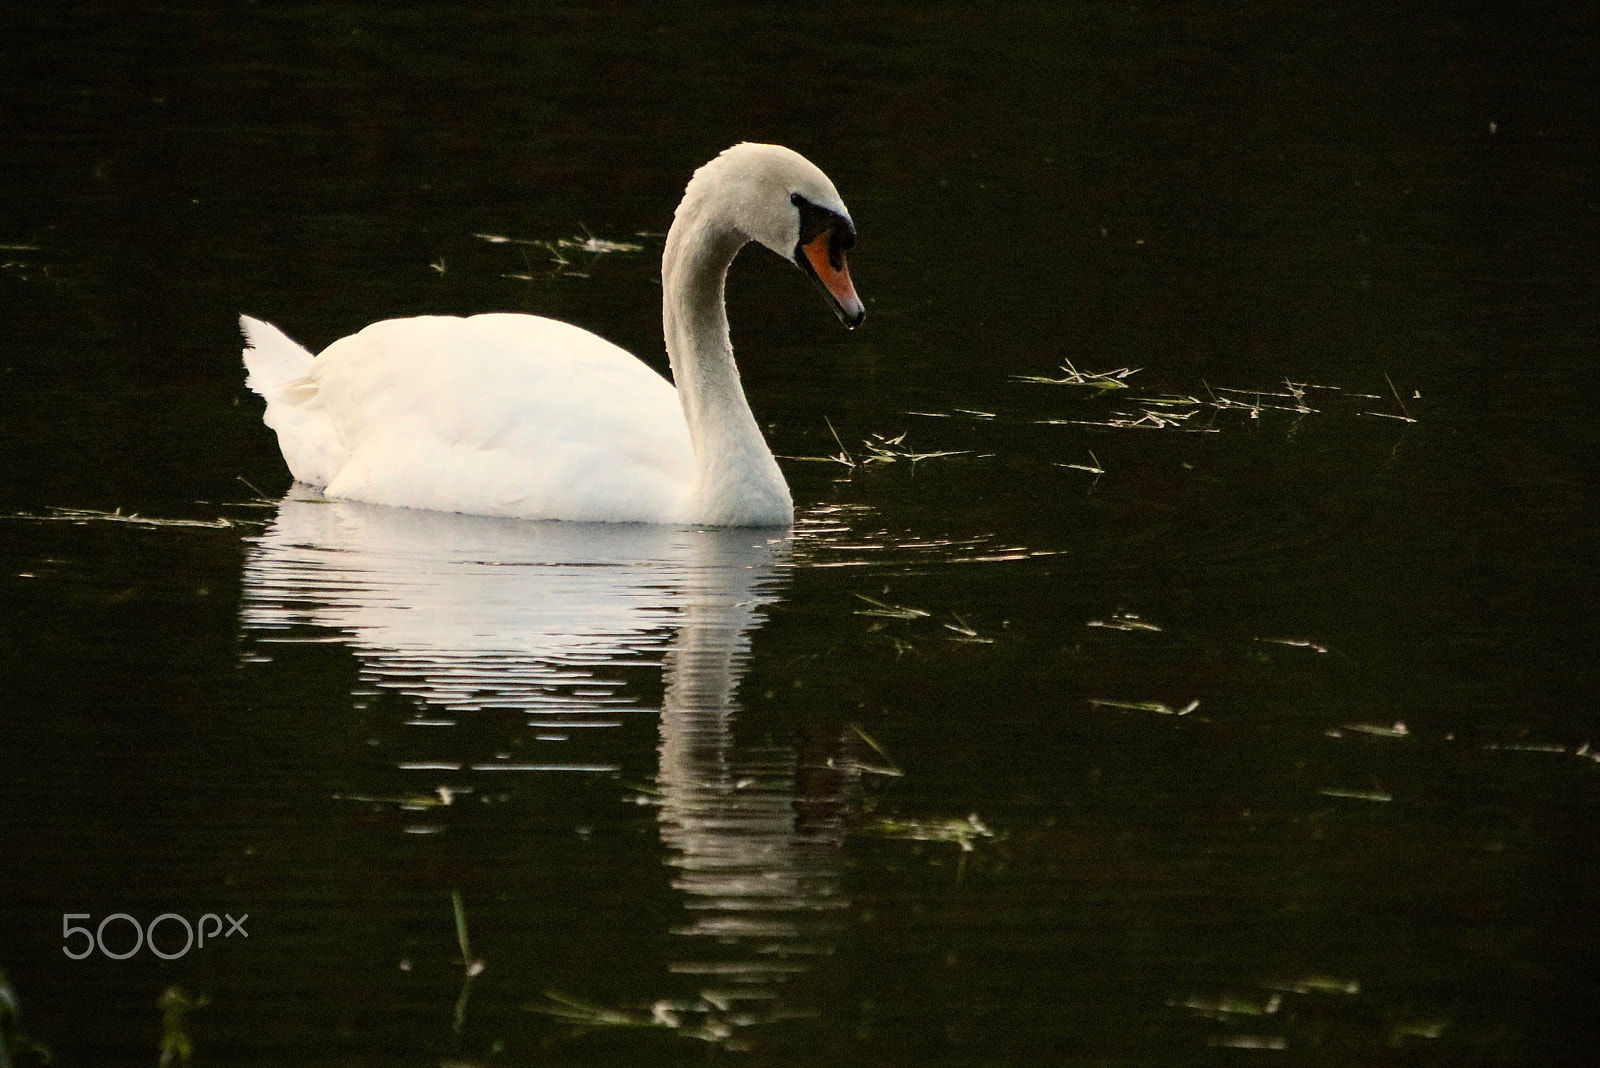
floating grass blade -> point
(884, 610)
(1295, 643)
(84, 516)
(14, 1042)
(889, 767)
(1096, 468)
(1378, 730)
(590, 1014)
(473, 963)
(1315, 984)
(1356, 795)
(1091, 379)
(1225, 1006)
(176, 1045)
(1145, 706)
(1172, 412)
(962, 832)
(883, 450)
(967, 632)
(1404, 411)
(1130, 621)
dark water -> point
(1248, 713)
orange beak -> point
(825, 258)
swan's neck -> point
(738, 482)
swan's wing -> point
(503, 415)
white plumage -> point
(518, 415)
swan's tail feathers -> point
(277, 366)
(280, 371)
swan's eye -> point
(816, 221)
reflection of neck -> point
(701, 785)
(738, 480)
(728, 814)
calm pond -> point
(1184, 654)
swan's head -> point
(779, 198)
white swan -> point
(518, 415)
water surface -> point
(1233, 699)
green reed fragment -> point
(472, 965)
(1145, 706)
(1316, 984)
(590, 1014)
(1429, 1028)
(1223, 1006)
(1090, 379)
(889, 767)
(963, 832)
(1378, 730)
(1356, 795)
(884, 610)
(176, 1045)
(84, 516)
(882, 449)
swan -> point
(518, 415)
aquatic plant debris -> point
(1315, 984)
(1428, 1028)
(1378, 730)
(1405, 413)
(14, 1042)
(85, 516)
(966, 631)
(589, 245)
(712, 1017)
(470, 961)
(1094, 468)
(1585, 751)
(884, 610)
(1224, 1006)
(963, 832)
(1145, 419)
(472, 965)
(590, 1014)
(882, 449)
(1145, 706)
(889, 767)
(965, 413)
(1356, 795)
(176, 1045)
(1124, 621)
(1248, 1042)
(408, 801)
(1295, 643)
(1092, 379)
(1175, 412)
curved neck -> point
(738, 481)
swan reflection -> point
(467, 614)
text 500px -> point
(123, 926)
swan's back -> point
(497, 414)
